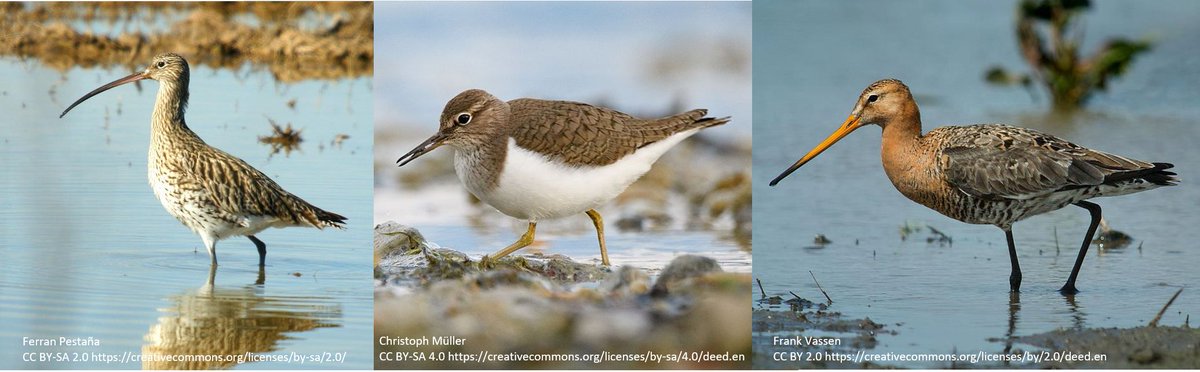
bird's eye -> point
(162, 64)
(872, 98)
(463, 119)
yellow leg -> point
(525, 240)
(599, 222)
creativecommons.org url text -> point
(972, 358)
(603, 356)
(132, 357)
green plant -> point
(1055, 58)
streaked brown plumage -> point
(534, 159)
(211, 192)
(990, 174)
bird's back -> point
(999, 174)
(206, 188)
(1000, 161)
(592, 135)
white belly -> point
(533, 187)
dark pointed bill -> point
(849, 126)
(124, 80)
(424, 147)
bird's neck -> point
(479, 164)
(902, 129)
(169, 132)
(169, 107)
(902, 149)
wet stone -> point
(626, 281)
(392, 238)
(683, 268)
(551, 304)
(404, 258)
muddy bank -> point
(294, 41)
(550, 308)
(809, 335)
(1134, 348)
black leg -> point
(262, 250)
(1094, 209)
(1014, 279)
(262, 275)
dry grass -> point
(294, 41)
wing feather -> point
(591, 134)
(1003, 162)
(238, 189)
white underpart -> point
(534, 187)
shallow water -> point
(813, 59)
(89, 252)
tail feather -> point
(711, 122)
(1159, 175)
(330, 219)
(693, 119)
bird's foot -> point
(1068, 290)
(487, 262)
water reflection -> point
(1073, 311)
(1014, 308)
(282, 139)
(1078, 317)
(231, 321)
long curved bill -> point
(101, 89)
(424, 147)
(848, 126)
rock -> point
(820, 239)
(404, 258)
(516, 310)
(683, 268)
(549, 305)
(512, 311)
(626, 282)
(392, 238)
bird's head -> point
(168, 69)
(468, 119)
(878, 104)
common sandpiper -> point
(539, 159)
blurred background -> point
(89, 251)
(935, 284)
